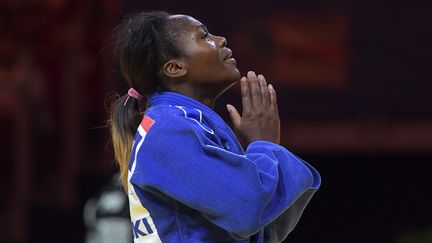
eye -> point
(206, 36)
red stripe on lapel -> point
(147, 123)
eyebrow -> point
(201, 26)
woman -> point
(188, 177)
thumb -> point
(235, 116)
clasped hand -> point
(260, 115)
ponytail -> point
(124, 121)
(143, 42)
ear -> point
(174, 68)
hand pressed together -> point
(260, 116)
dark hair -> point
(143, 43)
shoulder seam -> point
(209, 130)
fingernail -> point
(270, 86)
(228, 107)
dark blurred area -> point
(355, 98)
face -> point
(208, 61)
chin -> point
(236, 75)
(231, 78)
(234, 78)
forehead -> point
(186, 21)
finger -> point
(234, 114)
(254, 89)
(273, 98)
(265, 96)
(246, 95)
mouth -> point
(231, 61)
(228, 55)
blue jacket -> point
(191, 181)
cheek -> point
(208, 62)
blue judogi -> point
(191, 181)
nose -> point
(222, 41)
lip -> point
(228, 54)
(231, 60)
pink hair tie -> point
(134, 94)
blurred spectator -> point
(106, 215)
(51, 94)
(26, 112)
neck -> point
(206, 99)
(206, 95)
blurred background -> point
(355, 97)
